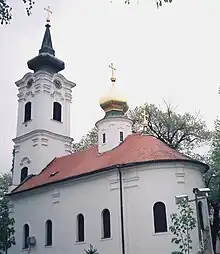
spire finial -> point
(49, 12)
(113, 79)
(145, 122)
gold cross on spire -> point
(113, 79)
(145, 122)
(49, 12)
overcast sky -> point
(172, 53)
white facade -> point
(111, 127)
(40, 139)
(143, 186)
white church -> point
(117, 196)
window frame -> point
(80, 235)
(106, 232)
(121, 136)
(48, 238)
(158, 215)
(25, 245)
(27, 111)
(23, 178)
(103, 138)
(57, 111)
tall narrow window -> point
(80, 228)
(25, 236)
(121, 136)
(27, 111)
(200, 205)
(57, 108)
(48, 233)
(24, 174)
(160, 218)
(103, 138)
(106, 224)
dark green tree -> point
(212, 180)
(6, 222)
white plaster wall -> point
(143, 186)
(89, 196)
(42, 95)
(42, 138)
(37, 150)
(112, 126)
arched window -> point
(160, 218)
(48, 230)
(106, 224)
(27, 111)
(103, 138)
(24, 174)
(25, 236)
(121, 136)
(80, 228)
(57, 111)
(200, 206)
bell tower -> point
(43, 122)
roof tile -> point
(135, 148)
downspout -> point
(121, 211)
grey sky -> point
(172, 53)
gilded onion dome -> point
(113, 101)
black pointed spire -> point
(46, 59)
(47, 46)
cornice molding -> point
(36, 133)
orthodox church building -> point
(117, 196)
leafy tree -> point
(181, 132)
(6, 222)
(13, 160)
(182, 225)
(6, 9)
(87, 141)
(212, 180)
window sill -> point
(79, 243)
(161, 233)
(106, 239)
(25, 249)
(47, 246)
(26, 123)
(56, 121)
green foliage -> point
(181, 132)
(182, 225)
(212, 180)
(6, 222)
(91, 250)
(6, 10)
(87, 141)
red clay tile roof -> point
(136, 148)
